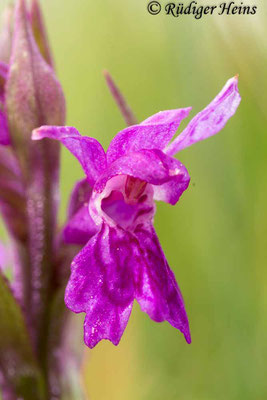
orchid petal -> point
(88, 151)
(210, 120)
(80, 195)
(156, 289)
(171, 191)
(102, 285)
(106, 321)
(152, 166)
(80, 228)
(153, 133)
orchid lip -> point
(124, 201)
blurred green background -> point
(216, 237)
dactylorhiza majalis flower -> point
(111, 214)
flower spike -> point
(33, 96)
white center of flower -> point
(125, 202)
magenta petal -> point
(171, 191)
(156, 289)
(102, 285)
(153, 133)
(106, 321)
(4, 133)
(88, 151)
(210, 120)
(152, 166)
(80, 228)
(80, 195)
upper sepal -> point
(153, 133)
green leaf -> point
(17, 360)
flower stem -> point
(125, 109)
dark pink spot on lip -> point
(144, 211)
(117, 209)
(142, 198)
(220, 120)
